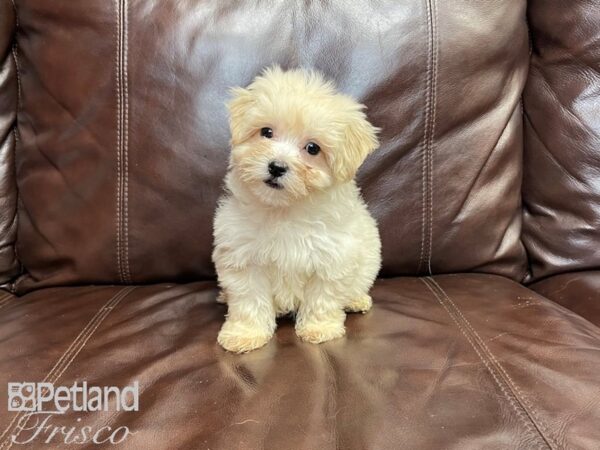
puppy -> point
(292, 234)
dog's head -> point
(292, 134)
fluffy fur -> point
(303, 242)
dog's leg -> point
(321, 316)
(250, 322)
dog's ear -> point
(360, 139)
(238, 107)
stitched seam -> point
(526, 406)
(424, 151)
(125, 12)
(434, 58)
(65, 361)
(520, 396)
(121, 7)
(64, 356)
(118, 82)
(510, 398)
(69, 350)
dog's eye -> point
(312, 148)
(266, 132)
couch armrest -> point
(9, 266)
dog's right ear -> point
(238, 107)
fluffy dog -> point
(292, 234)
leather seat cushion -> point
(456, 361)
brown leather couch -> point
(113, 145)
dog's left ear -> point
(360, 139)
(238, 107)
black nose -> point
(277, 169)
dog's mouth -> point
(272, 183)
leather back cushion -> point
(124, 130)
(562, 140)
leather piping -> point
(524, 410)
(20, 420)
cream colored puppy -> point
(292, 234)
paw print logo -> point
(21, 396)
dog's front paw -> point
(320, 331)
(241, 337)
(361, 304)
